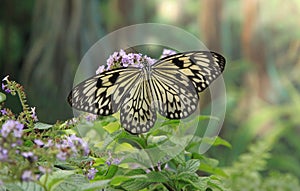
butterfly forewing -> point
(103, 94)
(201, 67)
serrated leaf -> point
(180, 159)
(192, 165)
(154, 176)
(2, 97)
(42, 126)
(191, 179)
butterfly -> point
(170, 87)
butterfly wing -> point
(201, 67)
(138, 113)
(173, 93)
(177, 80)
(104, 93)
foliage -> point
(51, 157)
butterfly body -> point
(170, 87)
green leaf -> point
(135, 185)
(71, 182)
(112, 126)
(191, 179)
(2, 97)
(117, 180)
(192, 165)
(42, 126)
(216, 141)
(154, 176)
(112, 170)
(63, 180)
(94, 185)
(23, 186)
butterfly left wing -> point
(104, 93)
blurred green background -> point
(42, 43)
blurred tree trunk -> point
(210, 23)
(61, 33)
(257, 80)
(210, 27)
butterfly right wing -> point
(103, 94)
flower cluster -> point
(28, 115)
(69, 146)
(11, 133)
(122, 59)
(11, 126)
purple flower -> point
(80, 143)
(62, 155)
(125, 61)
(44, 170)
(167, 52)
(27, 175)
(27, 154)
(149, 60)
(91, 117)
(33, 114)
(11, 125)
(114, 58)
(49, 143)
(100, 69)
(122, 53)
(3, 112)
(30, 156)
(116, 161)
(38, 142)
(3, 86)
(18, 131)
(91, 173)
(3, 154)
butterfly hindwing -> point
(137, 113)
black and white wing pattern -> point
(170, 86)
(201, 67)
(103, 94)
